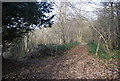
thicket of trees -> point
(20, 18)
(72, 25)
(106, 28)
(69, 27)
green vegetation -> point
(46, 51)
(92, 48)
(102, 53)
(61, 48)
(116, 54)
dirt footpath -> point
(74, 64)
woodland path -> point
(74, 64)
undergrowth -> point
(102, 54)
(53, 50)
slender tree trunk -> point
(118, 19)
(98, 45)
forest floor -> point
(74, 64)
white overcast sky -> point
(85, 6)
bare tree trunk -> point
(106, 43)
(118, 25)
(112, 28)
(98, 45)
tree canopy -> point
(19, 18)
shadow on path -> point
(74, 64)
